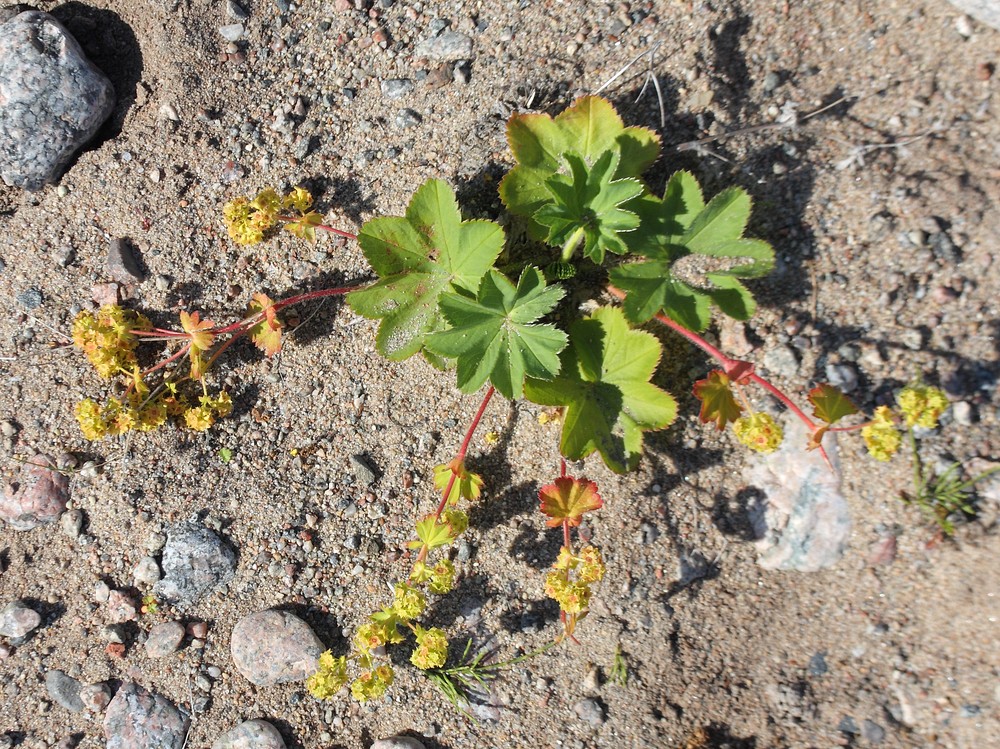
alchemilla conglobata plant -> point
(498, 314)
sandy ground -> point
(726, 659)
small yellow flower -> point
(458, 521)
(152, 415)
(372, 684)
(300, 199)
(88, 414)
(881, 436)
(329, 677)
(199, 418)
(591, 565)
(922, 405)
(759, 432)
(431, 650)
(409, 602)
(442, 578)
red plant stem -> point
(249, 322)
(222, 348)
(789, 403)
(165, 362)
(725, 361)
(566, 539)
(324, 227)
(157, 334)
(459, 457)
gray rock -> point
(805, 523)
(273, 647)
(253, 734)
(872, 732)
(54, 99)
(137, 719)
(396, 88)
(232, 32)
(451, 45)
(363, 471)
(844, 377)
(71, 522)
(987, 11)
(121, 264)
(236, 11)
(146, 573)
(407, 118)
(30, 298)
(781, 361)
(96, 697)
(37, 496)
(195, 561)
(590, 711)
(64, 689)
(18, 619)
(398, 742)
(164, 639)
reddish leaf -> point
(717, 401)
(266, 334)
(198, 330)
(567, 498)
(829, 404)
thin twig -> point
(629, 64)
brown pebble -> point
(198, 629)
(984, 71)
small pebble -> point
(253, 734)
(405, 119)
(232, 32)
(590, 711)
(71, 522)
(146, 573)
(65, 690)
(95, 697)
(17, 619)
(164, 639)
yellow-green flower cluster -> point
(117, 416)
(247, 220)
(138, 411)
(573, 595)
(431, 650)
(922, 405)
(107, 340)
(759, 432)
(201, 417)
(881, 436)
(329, 677)
(372, 684)
(409, 603)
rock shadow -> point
(112, 46)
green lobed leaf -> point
(829, 404)
(589, 127)
(589, 200)
(495, 335)
(418, 258)
(701, 262)
(604, 386)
